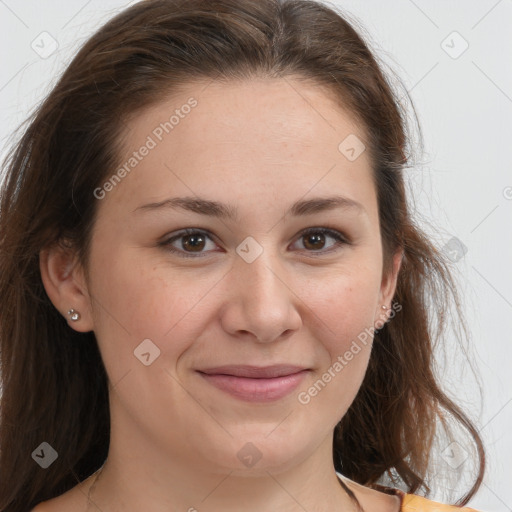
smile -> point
(256, 389)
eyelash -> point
(339, 237)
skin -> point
(258, 145)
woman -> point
(214, 296)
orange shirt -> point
(409, 502)
(413, 503)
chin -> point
(259, 452)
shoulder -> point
(374, 499)
(413, 503)
(381, 497)
(63, 503)
(71, 501)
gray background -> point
(461, 184)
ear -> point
(387, 289)
(63, 280)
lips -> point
(253, 383)
(255, 372)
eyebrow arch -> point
(223, 211)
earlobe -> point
(63, 281)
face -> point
(281, 264)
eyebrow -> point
(229, 212)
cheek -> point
(133, 301)
(345, 306)
(344, 310)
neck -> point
(124, 485)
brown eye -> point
(192, 243)
(315, 240)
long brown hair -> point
(54, 385)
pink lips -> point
(255, 384)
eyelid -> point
(340, 237)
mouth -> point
(253, 383)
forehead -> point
(282, 109)
(275, 136)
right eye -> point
(191, 239)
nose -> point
(260, 301)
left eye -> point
(193, 241)
(315, 239)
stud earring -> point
(74, 315)
(384, 307)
